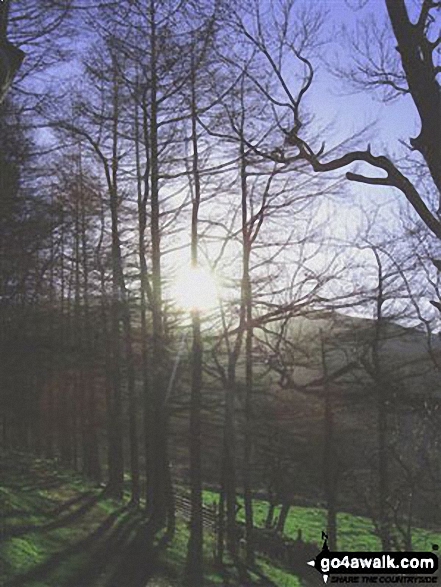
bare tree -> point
(415, 73)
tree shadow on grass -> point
(25, 473)
(105, 532)
(264, 581)
(137, 559)
(119, 559)
(233, 576)
(87, 501)
(42, 485)
(70, 502)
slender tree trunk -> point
(269, 521)
(161, 489)
(247, 295)
(73, 396)
(382, 418)
(65, 440)
(131, 384)
(194, 566)
(329, 460)
(143, 189)
(92, 464)
(284, 511)
(121, 314)
(116, 462)
(383, 470)
(51, 419)
(221, 526)
(80, 339)
(107, 369)
(230, 465)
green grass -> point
(278, 576)
(56, 529)
(45, 542)
(172, 560)
(355, 533)
(41, 524)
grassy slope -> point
(58, 531)
(355, 533)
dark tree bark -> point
(382, 417)
(91, 460)
(116, 461)
(11, 57)
(416, 52)
(194, 563)
(65, 400)
(269, 521)
(105, 316)
(329, 456)
(163, 508)
(143, 187)
(284, 511)
(50, 416)
(247, 295)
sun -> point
(195, 288)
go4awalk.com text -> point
(376, 567)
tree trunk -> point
(284, 511)
(91, 464)
(50, 416)
(143, 189)
(221, 527)
(269, 522)
(160, 474)
(382, 418)
(133, 424)
(247, 299)
(194, 565)
(421, 75)
(65, 389)
(116, 472)
(329, 457)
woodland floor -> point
(56, 530)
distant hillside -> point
(289, 410)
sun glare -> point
(195, 288)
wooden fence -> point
(183, 508)
(290, 554)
